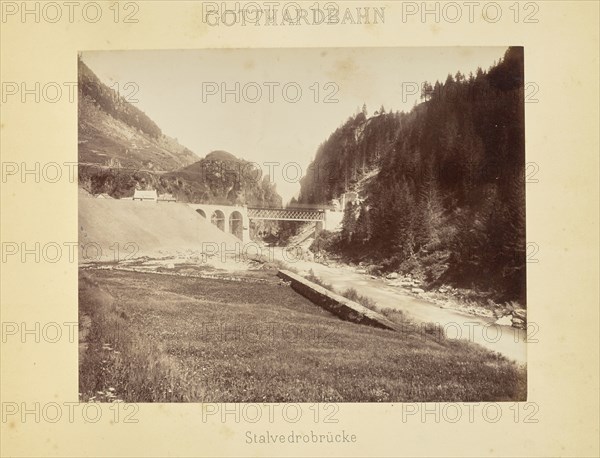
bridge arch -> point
(230, 219)
(218, 219)
(236, 224)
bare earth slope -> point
(152, 229)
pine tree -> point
(364, 230)
(431, 214)
(348, 223)
(426, 91)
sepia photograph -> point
(299, 228)
(303, 225)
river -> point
(506, 340)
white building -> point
(166, 198)
(149, 196)
(348, 197)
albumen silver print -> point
(309, 225)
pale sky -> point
(173, 87)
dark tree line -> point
(209, 181)
(448, 200)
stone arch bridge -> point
(236, 219)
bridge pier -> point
(230, 219)
(319, 226)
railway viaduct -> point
(236, 219)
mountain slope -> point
(225, 179)
(114, 132)
(210, 181)
(448, 202)
(121, 149)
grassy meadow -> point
(149, 337)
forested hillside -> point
(448, 199)
(223, 178)
(216, 179)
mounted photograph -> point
(303, 225)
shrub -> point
(312, 277)
(326, 241)
(373, 269)
(353, 295)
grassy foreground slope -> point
(207, 340)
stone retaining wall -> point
(338, 305)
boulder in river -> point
(520, 313)
(518, 323)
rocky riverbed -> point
(446, 296)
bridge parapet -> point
(287, 214)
